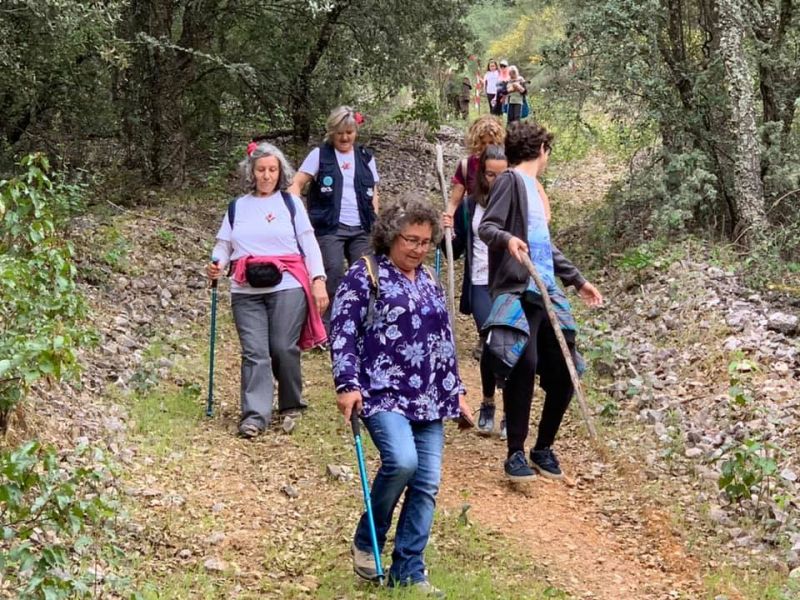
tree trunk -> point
(750, 213)
(300, 103)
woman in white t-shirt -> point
(475, 297)
(490, 83)
(342, 195)
(277, 286)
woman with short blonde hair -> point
(342, 194)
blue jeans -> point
(411, 461)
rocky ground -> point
(687, 367)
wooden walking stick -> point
(573, 373)
(448, 241)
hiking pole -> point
(448, 241)
(362, 472)
(573, 373)
(213, 336)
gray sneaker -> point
(363, 563)
(428, 589)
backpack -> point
(374, 283)
(287, 200)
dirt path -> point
(597, 536)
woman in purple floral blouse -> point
(394, 361)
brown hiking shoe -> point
(363, 563)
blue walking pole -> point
(362, 472)
(437, 263)
(210, 401)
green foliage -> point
(740, 373)
(748, 471)
(41, 309)
(52, 515)
(166, 238)
(55, 65)
(424, 111)
(652, 70)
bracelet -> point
(322, 277)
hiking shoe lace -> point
(546, 463)
(517, 468)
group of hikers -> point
(505, 88)
(391, 341)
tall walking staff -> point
(448, 242)
(362, 472)
(562, 342)
(213, 337)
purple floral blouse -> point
(404, 361)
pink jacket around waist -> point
(313, 333)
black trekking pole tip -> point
(354, 422)
(214, 282)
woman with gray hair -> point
(277, 288)
(342, 196)
(394, 363)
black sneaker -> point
(546, 463)
(486, 419)
(517, 468)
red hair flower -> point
(250, 147)
(359, 118)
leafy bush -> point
(748, 472)
(52, 514)
(41, 310)
(424, 111)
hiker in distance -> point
(516, 90)
(277, 285)
(342, 195)
(476, 299)
(490, 80)
(394, 362)
(515, 223)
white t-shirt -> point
(480, 251)
(490, 80)
(348, 211)
(263, 227)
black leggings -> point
(514, 112)
(542, 356)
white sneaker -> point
(427, 588)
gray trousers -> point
(269, 327)
(350, 242)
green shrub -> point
(52, 514)
(41, 310)
(424, 111)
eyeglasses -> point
(414, 243)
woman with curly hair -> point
(514, 224)
(484, 131)
(394, 363)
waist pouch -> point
(260, 275)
